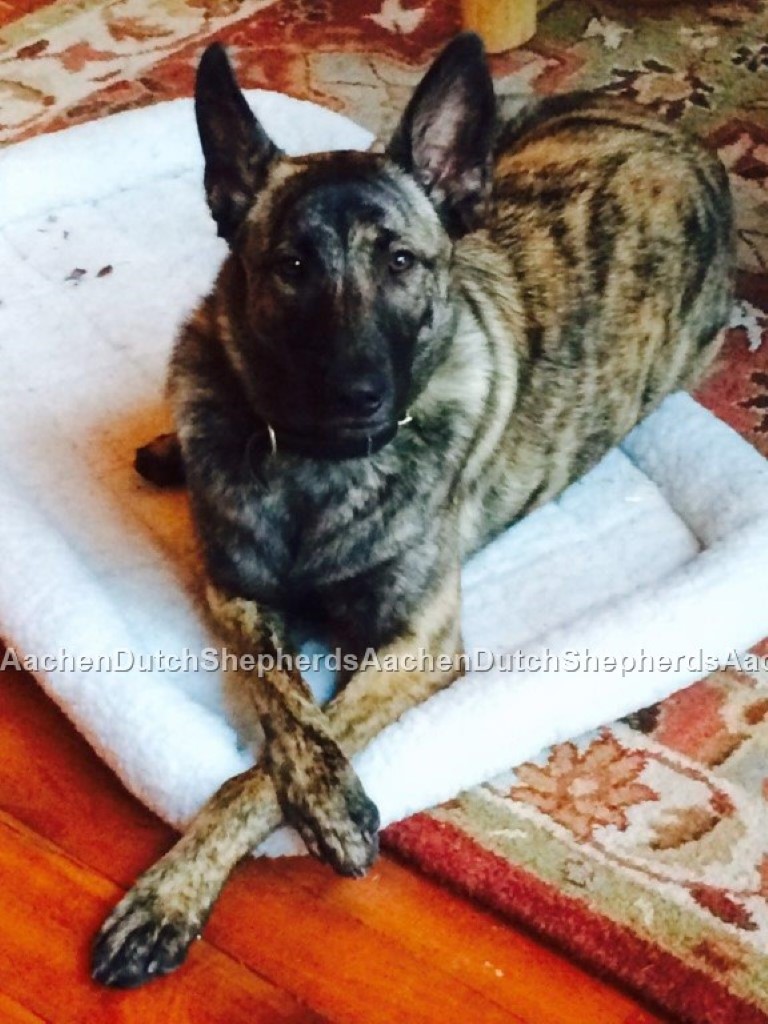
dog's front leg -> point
(318, 790)
(149, 932)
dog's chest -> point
(305, 531)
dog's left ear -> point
(236, 148)
(445, 136)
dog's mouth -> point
(347, 441)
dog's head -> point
(338, 279)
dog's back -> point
(606, 268)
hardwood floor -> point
(289, 943)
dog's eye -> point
(290, 268)
(400, 260)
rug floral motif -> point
(642, 849)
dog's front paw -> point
(337, 821)
(140, 941)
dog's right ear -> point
(236, 148)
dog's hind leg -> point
(160, 461)
(149, 932)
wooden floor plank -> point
(51, 906)
(355, 951)
(337, 964)
(12, 1012)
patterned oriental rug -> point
(642, 849)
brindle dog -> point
(405, 352)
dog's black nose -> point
(362, 396)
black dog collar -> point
(162, 464)
(276, 440)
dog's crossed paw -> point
(139, 942)
(349, 845)
(338, 823)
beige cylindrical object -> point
(503, 24)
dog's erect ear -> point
(236, 148)
(445, 136)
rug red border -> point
(445, 852)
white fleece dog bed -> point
(661, 551)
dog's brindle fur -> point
(527, 289)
